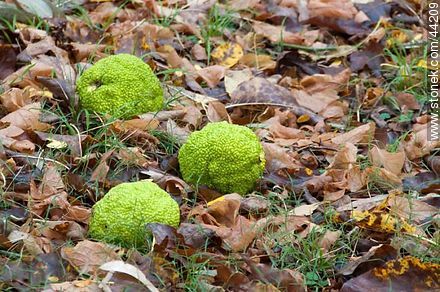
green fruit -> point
(120, 85)
(120, 217)
(226, 157)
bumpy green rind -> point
(120, 85)
(120, 217)
(226, 157)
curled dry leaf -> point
(416, 144)
(172, 184)
(321, 82)
(236, 231)
(345, 157)
(328, 239)
(410, 208)
(26, 75)
(373, 258)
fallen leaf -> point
(277, 33)
(304, 210)
(392, 162)
(259, 61)
(332, 9)
(26, 118)
(235, 78)
(121, 267)
(227, 54)
(212, 74)
(405, 274)
(88, 256)
(361, 134)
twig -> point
(14, 155)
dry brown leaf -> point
(259, 61)
(321, 82)
(77, 286)
(407, 101)
(361, 134)
(332, 8)
(416, 144)
(356, 179)
(26, 75)
(27, 118)
(411, 208)
(328, 239)
(317, 101)
(199, 52)
(101, 171)
(278, 158)
(212, 75)
(15, 98)
(277, 33)
(405, 274)
(304, 210)
(392, 162)
(345, 157)
(277, 130)
(216, 112)
(235, 78)
(87, 256)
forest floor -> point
(336, 91)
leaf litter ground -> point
(334, 89)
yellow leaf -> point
(55, 144)
(53, 279)
(227, 54)
(303, 119)
(219, 199)
(309, 172)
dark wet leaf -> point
(22, 273)
(370, 56)
(424, 182)
(7, 59)
(285, 279)
(164, 235)
(60, 88)
(375, 10)
(375, 257)
(346, 26)
(195, 235)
